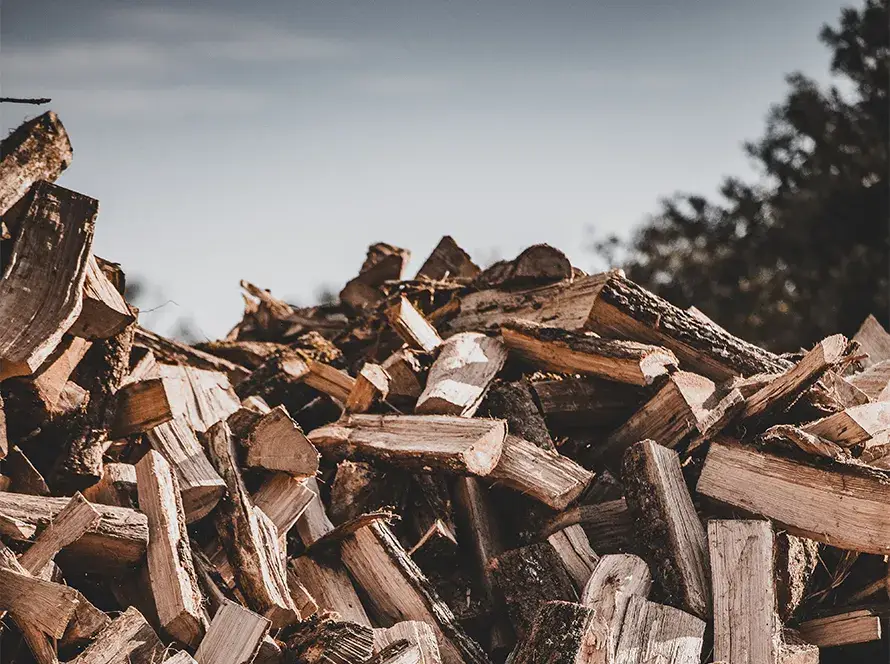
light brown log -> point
(404, 368)
(415, 632)
(609, 525)
(656, 633)
(128, 639)
(435, 442)
(554, 349)
(141, 405)
(370, 386)
(788, 435)
(874, 381)
(843, 506)
(384, 262)
(412, 327)
(746, 629)
(105, 313)
(67, 526)
(182, 657)
(448, 262)
(40, 291)
(117, 486)
(330, 586)
(299, 593)
(45, 605)
(458, 379)
(283, 499)
(672, 537)
(841, 629)
(234, 636)
(853, 426)
(50, 379)
(873, 340)
(168, 351)
(276, 442)
(573, 548)
(313, 523)
(174, 584)
(249, 539)
(586, 401)
(200, 485)
(329, 380)
(37, 150)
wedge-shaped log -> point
(283, 499)
(329, 586)
(746, 628)
(234, 636)
(412, 327)
(40, 292)
(448, 261)
(842, 629)
(573, 548)
(117, 486)
(458, 379)
(438, 442)
(128, 639)
(49, 381)
(371, 385)
(417, 633)
(168, 351)
(656, 633)
(200, 484)
(398, 590)
(23, 476)
(874, 340)
(853, 426)
(553, 349)
(874, 382)
(118, 538)
(249, 538)
(586, 401)
(174, 584)
(329, 380)
(45, 605)
(537, 264)
(562, 633)
(38, 150)
(105, 312)
(842, 506)
(404, 368)
(276, 442)
(672, 537)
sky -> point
(274, 141)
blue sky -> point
(273, 141)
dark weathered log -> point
(448, 262)
(562, 633)
(587, 401)
(538, 264)
(128, 639)
(323, 639)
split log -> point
(66, 527)
(587, 402)
(275, 442)
(843, 506)
(573, 548)
(119, 538)
(448, 262)
(842, 629)
(562, 633)
(370, 386)
(117, 486)
(553, 349)
(458, 379)
(105, 313)
(746, 629)
(359, 488)
(40, 292)
(412, 327)
(432, 516)
(168, 351)
(398, 590)
(323, 639)
(453, 444)
(200, 484)
(330, 587)
(45, 605)
(609, 526)
(248, 354)
(174, 585)
(283, 499)
(515, 403)
(234, 636)
(23, 476)
(539, 263)
(416, 633)
(128, 639)
(38, 150)
(656, 633)
(405, 369)
(248, 537)
(314, 523)
(384, 262)
(874, 381)
(789, 436)
(853, 426)
(873, 340)
(669, 530)
(4, 439)
(329, 380)
(49, 381)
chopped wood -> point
(43, 604)
(323, 638)
(329, 586)
(168, 351)
(448, 262)
(283, 499)
(128, 639)
(4, 439)
(873, 340)
(23, 476)
(171, 571)
(668, 528)
(432, 516)
(415, 632)
(49, 381)
(458, 379)
(573, 548)
(234, 636)
(314, 523)
(412, 327)
(609, 526)
(788, 435)
(303, 599)
(841, 629)
(586, 401)
(360, 487)
(515, 403)
(561, 633)
(843, 506)
(67, 526)
(276, 442)
(853, 426)
(40, 291)
(105, 312)
(384, 262)
(874, 381)
(329, 380)
(656, 633)
(554, 349)
(404, 368)
(539, 263)
(455, 444)
(370, 386)
(117, 486)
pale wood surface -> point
(128, 639)
(202, 396)
(51, 378)
(417, 633)
(313, 523)
(573, 548)
(873, 340)
(656, 633)
(283, 499)
(276, 442)
(45, 605)
(23, 476)
(412, 327)
(853, 426)
(105, 312)
(234, 636)
(840, 629)
(874, 381)
(117, 486)
(68, 525)
(168, 351)
(371, 385)
(609, 526)
(329, 585)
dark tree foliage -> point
(802, 253)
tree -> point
(802, 252)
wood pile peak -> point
(522, 463)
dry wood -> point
(573, 548)
(67, 526)
(45, 605)
(412, 327)
(283, 499)
(432, 516)
(299, 593)
(458, 379)
(562, 633)
(873, 340)
(586, 401)
(669, 530)
(448, 262)
(656, 633)
(4, 439)
(168, 351)
(553, 349)
(276, 442)
(313, 523)
(436, 442)
(515, 403)
(200, 485)
(38, 150)
(171, 571)
(874, 381)
(841, 629)
(128, 639)
(234, 636)
(418, 634)
(384, 262)
(789, 436)
(842, 506)
(141, 405)
(609, 526)
(105, 313)
(746, 629)
(117, 486)
(360, 487)
(853, 426)
(182, 657)
(399, 652)
(324, 639)
(370, 386)
(537, 264)
(329, 380)
(330, 587)
(398, 590)
(248, 537)
(50, 379)
(40, 292)
(23, 476)
(404, 368)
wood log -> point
(668, 528)
(119, 538)
(852, 426)
(105, 312)
(174, 585)
(314, 523)
(23, 476)
(874, 381)
(360, 487)
(432, 516)
(412, 327)
(788, 436)
(4, 439)
(384, 262)
(842, 629)
(38, 150)
(448, 262)
(609, 525)
(48, 382)
(299, 593)
(370, 386)
(66, 527)
(746, 629)
(40, 292)
(458, 379)
(573, 548)
(330, 586)
(234, 636)
(128, 639)
(398, 590)
(323, 639)
(418, 634)
(200, 485)
(438, 442)
(553, 349)
(117, 486)
(842, 506)
(873, 340)
(537, 264)
(283, 499)
(656, 633)
(168, 351)
(275, 442)
(562, 633)
(329, 380)
(45, 605)
(587, 401)
(515, 403)
(405, 368)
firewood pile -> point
(524, 463)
